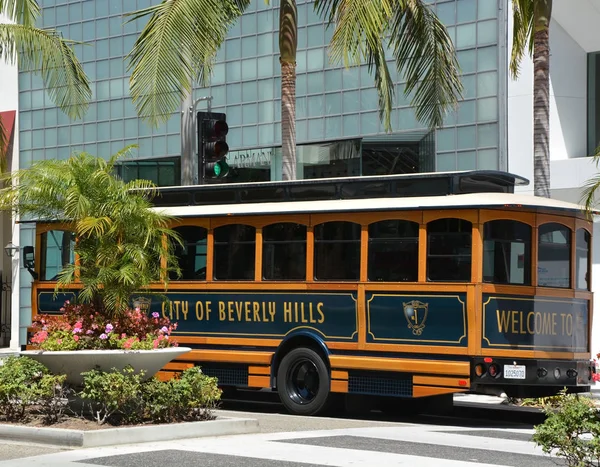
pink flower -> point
(109, 328)
(164, 329)
(123, 336)
(103, 336)
(155, 315)
(89, 331)
(59, 341)
(155, 343)
(76, 338)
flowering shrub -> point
(80, 327)
(596, 375)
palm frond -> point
(3, 147)
(47, 53)
(177, 47)
(590, 187)
(523, 19)
(23, 12)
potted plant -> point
(122, 246)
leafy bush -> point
(121, 397)
(81, 327)
(27, 384)
(571, 430)
(189, 397)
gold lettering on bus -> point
(252, 312)
(176, 310)
(535, 323)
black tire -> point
(303, 382)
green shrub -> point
(27, 384)
(571, 430)
(114, 396)
(189, 397)
(122, 397)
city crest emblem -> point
(415, 313)
(143, 303)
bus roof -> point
(470, 200)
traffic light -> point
(212, 145)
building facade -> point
(338, 128)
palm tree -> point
(122, 244)
(180, 41)
(42, 51)
(531, 30)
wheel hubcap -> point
(303, 381)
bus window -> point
(234, 252)
(192, 255)
(507, 252)
(58, 250)
(582, 259)
(449, 250)
(554, 256)
(337, 251)
(284, 252)
(393, 251)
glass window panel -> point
(487, 59)
(117, 129)
(249, 69)
(301, 85)
(102, 69)
(25, 101)
(266, 112)
(315, 82)
(337, 251)
(218, 75)
(76, 134)
(300, 61)
(116, 109)
(25, 120)
(469, 86)
(315, 106)
(369, 122)
(487, 159)
(75, 32)
(159, 146)
(351, 125)
(582, 259)
(37, 99)
(115, 26)
(265, 66)
(249, 91)
(89, 132)
(368, 99)
(301, 109)
(393, 252)
(446, 162)
(333, 79)
(333, 103)
(487, 32)
(234, 252)
(234, 93)
(63, 137)
(466, 11)
(351, 101)
(249, 46)
(284, 251)
(62, 15)
(487, 135)
(554, 256)
(407, 119)
(467, 60)
(333, 127)
(173, 145)
(236, 29)
(234, 117)
(315, 36)
(248, 23)
(265, 135)
(487, 109)
(102, 7)
(234, 71)
(249, 114)
(507, 252)
(487, 9)
(103, 131)
(265, 21)
(117, 67)
(129, 110)
(116, 46)
(466, 160)
(449, 250)
(351, 77)
(466, 36)
(116, 88)
(466, 112)
(466, 137)
(191, 256)
(264, 44)
(316, 128)
(315, 59)
(487, 84)
(233, 49)
(301, 130)
(38, 119)
(58, 251)
(445, 139)
(446, 12)
(37, 138)
(302, 39)
(302, 18)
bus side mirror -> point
(29, 260)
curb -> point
(128, 435)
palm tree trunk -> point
(541, 98)
(288, 43)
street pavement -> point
(293, 441)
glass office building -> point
(338, 128)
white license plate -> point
(514, 371)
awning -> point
(8, 122)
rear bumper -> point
(537, 372)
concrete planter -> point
(73, 363)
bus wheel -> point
(303, 382)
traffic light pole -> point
(198, 164)
(189, 161)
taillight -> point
(480, 369)
(493, 370)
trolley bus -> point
(404, 286)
